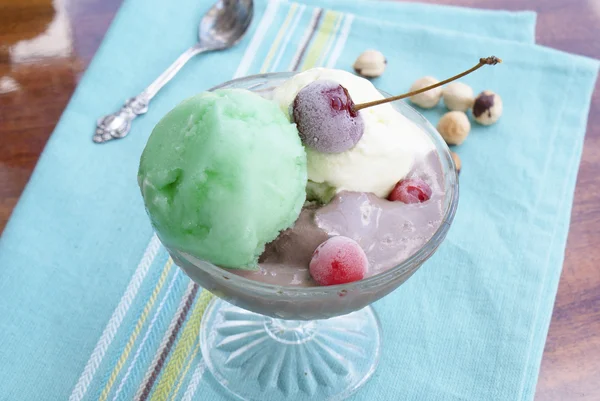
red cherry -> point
(326, 119)
(338, 260)
(410, 190)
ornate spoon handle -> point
(117, 125)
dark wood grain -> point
(36, 84)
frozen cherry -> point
(410, 190)
(338, 260)
(326, 119)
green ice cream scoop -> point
(221, 175)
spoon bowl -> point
(225, 23)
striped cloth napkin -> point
(92, 308)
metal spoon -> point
(221, 27)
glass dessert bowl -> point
(263, 341)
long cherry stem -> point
(493, 60)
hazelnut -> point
(427, 99)
(457, 162)
(454, 127)
(370, 63)
(458, 96)
(487, 108)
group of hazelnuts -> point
(454, 126)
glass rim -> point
(411, 263)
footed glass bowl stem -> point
(256, 357)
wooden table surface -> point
(46, 44)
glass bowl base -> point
(256, 357)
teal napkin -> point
(518, 26)
(91, 307)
